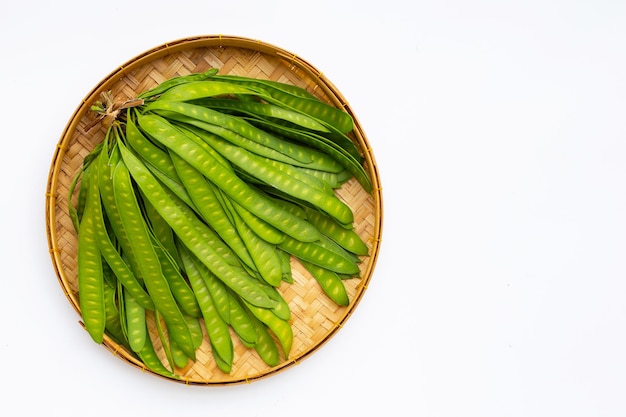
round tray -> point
(315, 318)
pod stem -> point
(108, 110)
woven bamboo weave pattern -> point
(315, 318)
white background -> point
(499, 131)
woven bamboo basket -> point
(315, 318)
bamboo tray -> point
(315, 319)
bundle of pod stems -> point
(190, 210)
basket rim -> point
(210, 41)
